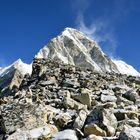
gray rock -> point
(49, 82)
(48, 96)
(80, 120)
(71, 83)
(108, 98)
(63, 119)
(132, 96)
(130, 134)
(94, 137)
(124, 101)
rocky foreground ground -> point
(63, 102)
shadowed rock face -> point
(10, 82)
(52, 100)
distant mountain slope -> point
(22, 67)
(12, 76)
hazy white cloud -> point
(91, 30)
(99, 29)
(102, 29)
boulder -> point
(122, 114)
(122, 100)
(63, 119)
(132, 96)
(48, 82)
(78, 106)
(25, 116)
(84, 98)
(94, 129)
(104, 118)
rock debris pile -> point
(60, 102)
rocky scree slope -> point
(60, 101)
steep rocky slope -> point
(80, 103)
(12, 76)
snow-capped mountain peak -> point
(75, 48)
(23, 68)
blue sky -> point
(28, 25)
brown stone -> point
(94, 129)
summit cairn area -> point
(60, 101)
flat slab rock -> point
(36, 133)
(65, 135)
